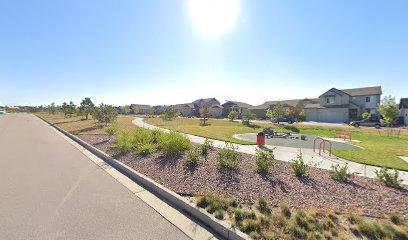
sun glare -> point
(213, 17)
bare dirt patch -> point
(317, 189)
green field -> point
(379, 149)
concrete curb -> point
(161, 192)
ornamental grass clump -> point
(228, 157)
(263, 206)
(143, 142)
(174, 144)
(341, 173)
(264, 160)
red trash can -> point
(260, 139)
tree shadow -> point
(275, 182)
(228, 178)
(79, 120)
(165, 162)
(306, 180)
(88, 129)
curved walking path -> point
(288, 153)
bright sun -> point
(213, 17)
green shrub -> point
(292, 128)
(298, 166)
(145, 148)
(193, 157)
(264, 160)
(387, 178)
(228, 157)
(263, 206)
(394, 218)
(157, 134)
(240, 215)
(124, 142)
(206, 147)
(142, 136)
(285, 210)
(219, 214)
(174, 144)
(341, 173)
(111, 130)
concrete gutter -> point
(173, 199)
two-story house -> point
(239, 107)
(344, 105)
(403, 107)
(213, 105)
(140, 109)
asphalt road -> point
(50, 190)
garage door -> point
(333, 115)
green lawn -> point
(380, 149)
(78, 125)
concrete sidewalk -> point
(287, 154)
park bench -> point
(344, 135)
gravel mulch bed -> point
(317, 189)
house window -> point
(368, 99)
(330, 100)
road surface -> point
(50, 190)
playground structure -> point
(322, 145)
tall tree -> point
(205, 114)
(71, 108)
(52, 109)
(86, 107)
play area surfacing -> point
(295, 141)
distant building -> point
(403, 107)
(239, 107)
(296, 105)
(140, 109)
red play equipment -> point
(322, 145)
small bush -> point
(213, 203)
(264, 160)
(193, 157)
(394, 218)
(295, 231)
(371, 230)
(206, 147)
(157, 134)
(299, 167)
(341, 173)
(240, 215)
(285, 210)
(250, 225)
(124, 142)
(219, 214)
(112, 130)
(174, 144)
(387, 178)
(142, 136)
(263, 206)
(145, 148)
(228, 157)
(292, 128)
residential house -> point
(239, 107)
(185, 109)
(344, 105)
(159, 109)
(294, 105)
(403, 107)
(140, 109)
(212, 103)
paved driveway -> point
(50, 190)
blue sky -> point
(122, 52)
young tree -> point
(205, 114)
(86, 107)
(52, 109)
(108, 114)
(71, 108)
(126, 110)
(65, 109)
(247, 117)
(388, 109)
(232, 115)
(275, 113)
(169, 114)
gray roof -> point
(363, 91)
(403, 103)
(140, 106)
(239, 104)
(265, 105)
